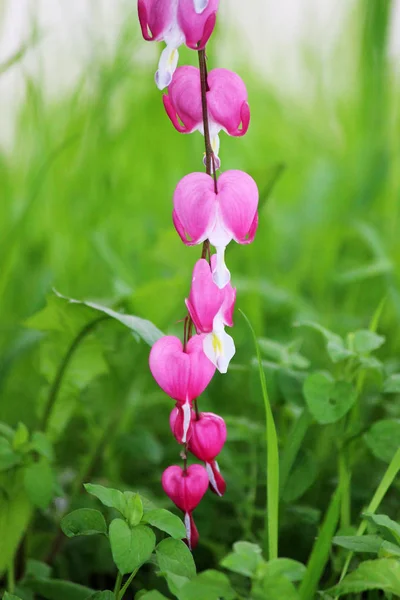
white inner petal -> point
(211, 478)
(218, 346)
(186, 420)
(188, 530)
(221, 274)
(167, 66)
(200, 5)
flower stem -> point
(127, 584)
(386, 481)
(117, 587)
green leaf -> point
(166, 521)
(39, 483)
(141, 327)
(392, 384)
(84, 521)
(134, 508)
(56, 589)
(175, 582)
(209, 584)
(302, 476)
(363, 543)
(8, 596)
(366, 341)
(174, 556)
(245, 559)
(21, 436)
(8, 458)
(389, 550)
(42, 445)
(328, 400)
(274, 587)
(381, 574)
(335, 345)
(389, 529)
(383, 439)
(130, 547)
(108, 496)
(37, 569)
(106, 595)
(153, 595)
(291, 569)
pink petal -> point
(208, 436)
(192, 535)
(201, 368)
(205, 299)
(229, 293)
(196, 27)
(217, 482)
(195, 205)
(227, 101)
(186, 489)
(238, 202)
(170, 367)
(156, 16)
(183, 102)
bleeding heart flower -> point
(176, 22)
(211, 309)
(186, 488)
(200, 213)
(228, 109)
(183, 374)
(206, 440)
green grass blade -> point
(272, 513)
(291, 450)
(320, 552)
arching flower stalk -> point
(207, 210)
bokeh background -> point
(88, 165)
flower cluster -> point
(207, 210)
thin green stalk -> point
(344, 484)
(117, 586)
(272, 509)
(127, 584)
(320, 552)
(56, 385)
(386, 481)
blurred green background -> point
(86, 196)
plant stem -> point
(127, 584)
(386, 481)
(272, 508)
(117, 586)
(344, 484)
(55, 387)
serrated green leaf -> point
(175, 557)
(389, 550)
(166, 521)
(83, 521)
(363, 543)
(210, 584)
(328, 400)
(245, 559)
(134, 508)
(130, 548)
(387, 528)
(366, 341)
(8, 596)
(39, 483)
(383, 439)
(108, 496)
(392, 384)
(381, 574)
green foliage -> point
(131, 547)
(328, 400)
(383, 439)
(364, 543)
(166, 521)
(382, 574)
(387, 528)
(84, 521)
(173, 556)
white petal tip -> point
(200, 6)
